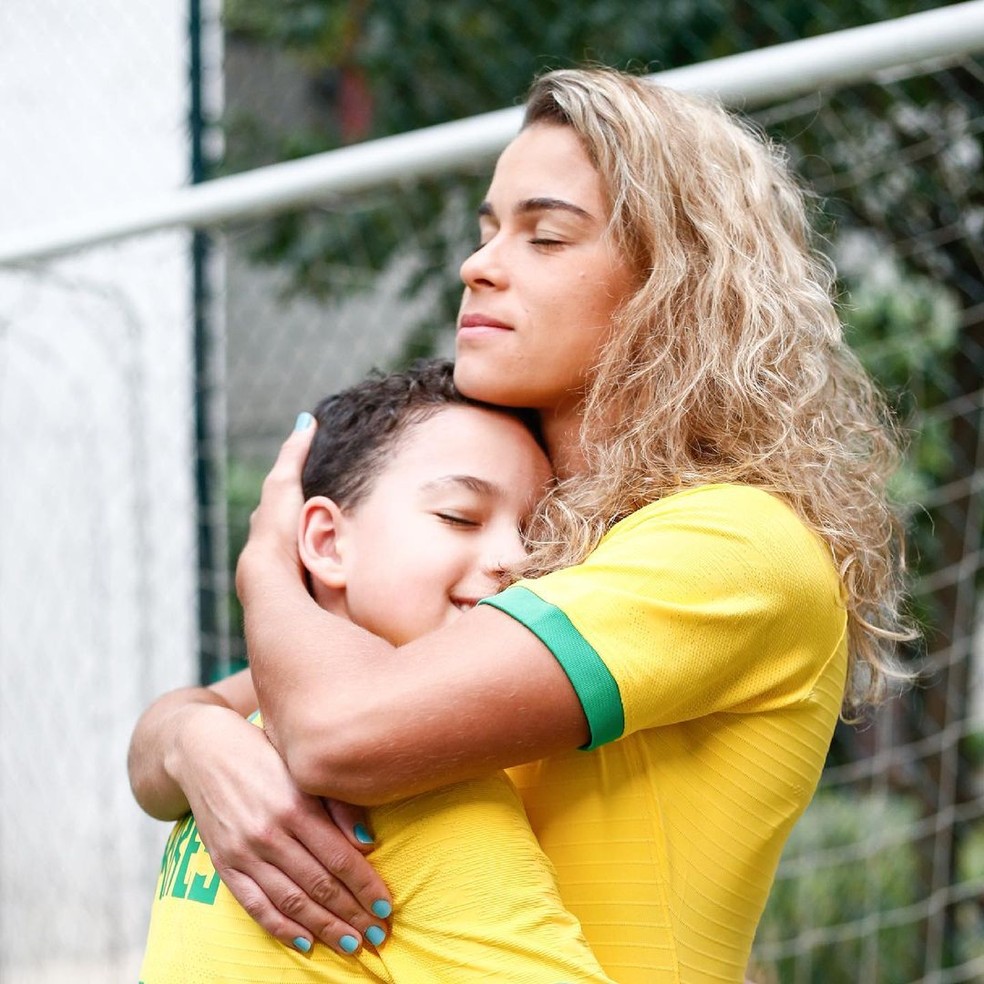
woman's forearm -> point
(312, 673)
(359, 720)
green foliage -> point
(847, 858)
(970, 869)
(432, 62)
(904, 328)
(311, 27)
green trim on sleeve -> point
(592, 680)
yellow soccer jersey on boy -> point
(706, 639)
(475, 899)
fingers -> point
(294, 451)
(351, 821)
(276, 914)
(273, 524)
(308, 874)
(313, 902)
(366, 886)
(342, 881)
(277, 849)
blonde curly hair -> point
(728, 363)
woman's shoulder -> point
(726, 526)
(720, 508)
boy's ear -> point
(318, 535)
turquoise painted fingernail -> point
(362, 835)
(302, 944)
(349, 943)
(304, 421)
(375, 935)
(382, 909)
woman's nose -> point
(483, 268)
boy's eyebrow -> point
(543, 204)
(471, 482)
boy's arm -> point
(159, 743)
(237, 691)
(159, 738)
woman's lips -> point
(478, 324)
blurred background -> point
(146, 381)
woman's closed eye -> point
(457, 519)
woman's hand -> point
(293, 861)
(272, 541)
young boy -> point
(415, 498)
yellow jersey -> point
(706, 639)
(475, 899)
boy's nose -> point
(503, 558)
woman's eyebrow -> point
(540, 204)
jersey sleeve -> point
(715, 599)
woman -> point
(714, 578)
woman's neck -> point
(562, 434)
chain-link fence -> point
(144, 386)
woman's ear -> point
(318, 541)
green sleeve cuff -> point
(592, 681)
